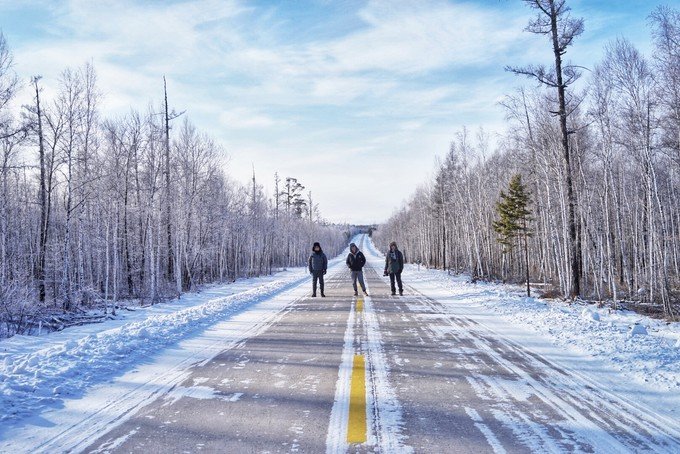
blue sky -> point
(354, 98)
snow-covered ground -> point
(81, 380)
(634, 355)
(39, 371)
(43, 379)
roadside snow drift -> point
(33, 378)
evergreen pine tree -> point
(514, 218)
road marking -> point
(356, 428)
(336, 439)
(363, 394)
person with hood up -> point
(317, 267)
(356, 261)
(394, 265)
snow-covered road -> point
(456, 375)
(448, 367)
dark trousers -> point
(396, 276)
(317, 275)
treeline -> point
(621, 142)
(94, 210)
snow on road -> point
(630, 354)
(362, 336)
(95, 373)
(58, 391)
(387, 415)
(36, 374)
(336, 438)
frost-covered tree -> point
(622, 139)
(84, 220)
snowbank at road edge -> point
(643, 348)
(38, 378)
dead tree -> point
(553, 20)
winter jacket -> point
(356, 262)
(394, 261)
(318, 262)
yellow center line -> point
(356, 430)
(360, 305)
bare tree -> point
(167, 117)
(43, 195)
(553, 19)
(9, 82)
(117, 200)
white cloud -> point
(344, 89)
(244, 118)
(343, 113)
(415, 37)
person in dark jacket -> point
(317, 267)
(394, 265)
(356, 261)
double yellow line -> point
(356, 428)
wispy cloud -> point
(304, 88)
(244, 118)
(417, 37)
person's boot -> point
(356, 293)
(322, 295)
(401, 292)
(365, 293)
(393, 293)
(313, 295)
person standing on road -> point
(356, 261)
(317, 267)
(394, 265)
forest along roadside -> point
(466, 387)
(273, 392)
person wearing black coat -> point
(356, 261)
(394, 265)
(318, 263)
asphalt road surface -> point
(384, 374)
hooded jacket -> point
(394, 260)
(355, 262)
(318, 260)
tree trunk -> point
(571, 196)
(44, 210)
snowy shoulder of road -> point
(627, 352)
(39, 372)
